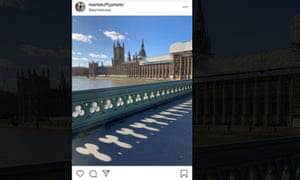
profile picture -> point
(80, 6)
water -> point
(83, 83)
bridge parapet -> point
(98, 106)
(277, 159)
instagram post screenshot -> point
(35, 90)
(131, 89)
(246, 84)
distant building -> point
(93, 69)
(295, 30)
(80, 71)
(8, 99)
(176, 65)
(256, 89)
(37, 101)
(119, 55)
(200, 35)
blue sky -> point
(93, 36)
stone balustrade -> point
(98, 106)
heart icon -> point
(80, 173)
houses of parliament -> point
(258, 89)
(175, 65)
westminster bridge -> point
(129, 125)
(166, 110)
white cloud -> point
(76, 53)
(113, 35)
(80, 59)
(44, 52)
(82, 37)
(97, 55)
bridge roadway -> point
(162, 136)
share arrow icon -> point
(106, 172)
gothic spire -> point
(202, 41)
(129, 56)
(142, 52)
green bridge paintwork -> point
(96, 107)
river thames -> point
(85, 83)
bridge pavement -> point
(161, 136)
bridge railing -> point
(277, 158)
(98, 106)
